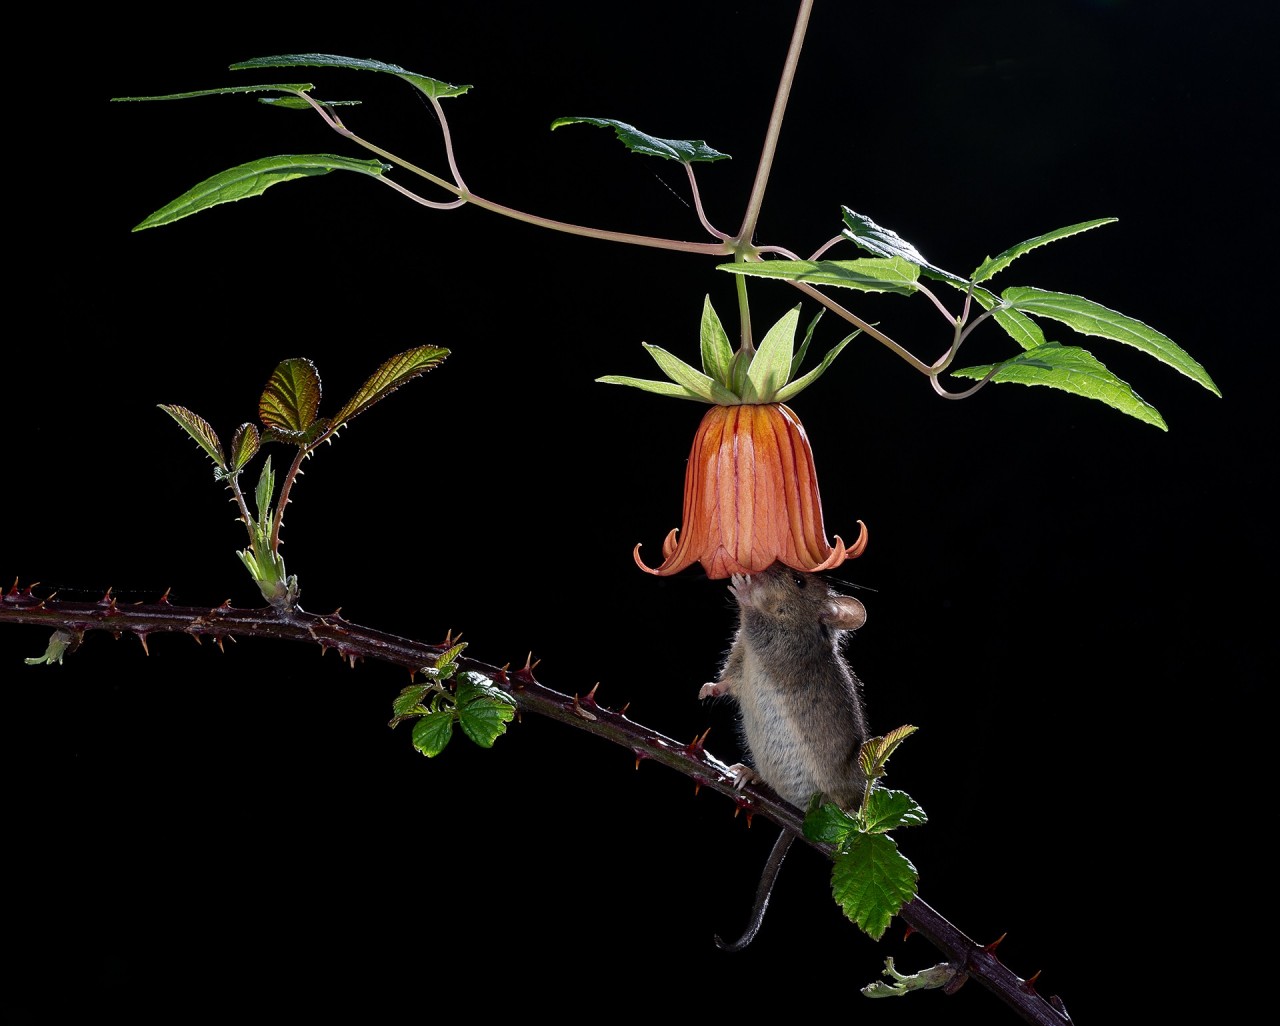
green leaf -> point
(198, 428)
(871, 881)
(244, 446)
(866, 234)
(484, 709)
(399, 369)
(827, 823)
(717, 351)
(253, 179)
(875, 751)
(993, 265)
(262, 497)
(291, 398)
(772, 361)
(432, 732)
(1090, 318)
(1070, 369)
(1018, 326)
(289, 87)
(887, 810)
(798, 359)
(430, 86)
(300, 103)
(409, 702)
(684, 150)
(867, 274)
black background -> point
(1071, 605)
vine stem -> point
(353, 642)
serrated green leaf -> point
(430, 86)
(291, 399)
(828, 824)
(1090, 318)
(253, 179)
(871, 881)
(888, 810)
(1070, 369)
(866, 234)
(287, 87)
(1018, 326)
(484, 709)
(409, 701)
(771, 363)
(867, 274)
(263, 494)
(717, 350)
(801, 383)
(397, 371)
(693, 380)
(875, 751)
(244, 446)
(683, 150)
(198, 428)
(993, 265)
(432, 732)
(445, 667)
(299, 103)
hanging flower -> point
(750, 490)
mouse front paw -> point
(743, 775)
(713, 689)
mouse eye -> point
(800, 581)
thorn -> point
(698, 744)
(525, 673)
(106, 599)
(501, 676)
(582, 713)
(990, 949)
(591, 695)
(220, 645)
(224, 608)
(1030, 984)
(623, 710)
(908, 931)
(141, 636)
(639, 755)
(164, 599)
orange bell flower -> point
(750, 490)
(751, 498)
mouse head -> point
(797, 600)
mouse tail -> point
(770, 874)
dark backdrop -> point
(1068, 603)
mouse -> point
(803, 720)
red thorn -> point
(106, 599)
(501, 676)
(908, 931)
(623, 710)
(1030, 984)
(221, 647)
(525, 673)
(639, 755)
(697, 787)
(164, 599)
(698, 744)
(590, 698)
(143, 638)
(990, 949)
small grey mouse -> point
(803, 721)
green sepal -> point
(771, 364)
(1070, 369)
(871, 880)
(867, 274)
(804, 381)
(687, 151)
(717, 350)
(701, 386)
(432, 87)
(253, 179)
(866, 234)
(1090, 318)
(994, 265)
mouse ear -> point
(845, 612)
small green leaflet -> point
(291, 399)
(484, 709)
(253, 179)
(1090, 318)
(286, 87)
(400, 369)
(432, 732)
(871, 880)
(867, 274)
(244, 446)
(866, 234)
(994, 265)
(686, 151)
(888, 810)
(200, 430)
(1070, 369)
(432, 87)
